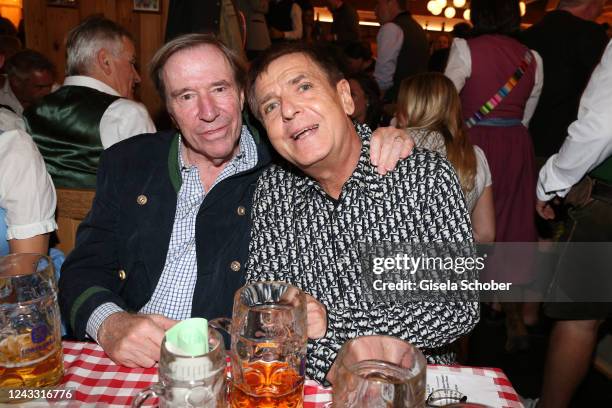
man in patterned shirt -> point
(309, 216)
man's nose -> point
(207, 108)
(289, 109)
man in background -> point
(94, 109)
(582, 173)
(570, 44)
(345, 26)
(29, 77)
(402, 47)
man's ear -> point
(344, 92)
(103, 58)
(241, 100)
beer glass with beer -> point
(268, 346)
(30, 340)
(379, 372)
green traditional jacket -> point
(66, 127)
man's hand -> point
(316, 318)
(545, 210)
(133, 340)
(387, 146)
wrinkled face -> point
(360, 101)
(33, 88)
(124, 74)
(383, 13)
(304, 115)
(205, 102)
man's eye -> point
(270, 107)
(186, 97)
(220, 89)
(305, 87)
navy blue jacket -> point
(122, 244)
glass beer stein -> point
(268, 346)
(30, 340)
(188, 381)
(379, 372)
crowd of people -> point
(281, 164)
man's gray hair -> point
(90, 36)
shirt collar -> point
(89, 82)
(365, 177)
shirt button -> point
(142, 199)
(235, 266)
(241, 210)
(122, 274)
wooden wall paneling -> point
(59, 21)
(164, 18)
(150, 40)
(127, 18)
(106, 7)
(34, 15)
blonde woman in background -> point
(428, 106)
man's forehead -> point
(290, 66)
(204, 64)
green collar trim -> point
(173, 164)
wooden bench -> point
(72, 206)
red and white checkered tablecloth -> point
(97, 381)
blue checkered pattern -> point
(174, 292)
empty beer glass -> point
(30, 340)
(187, 381)
(268, 346)
(379, 372)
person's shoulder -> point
(144, 145)
(128, 108)
(15, 140)
(423, 166)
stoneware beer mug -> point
(268, 346)
(30, 340)
(192, 368)
(379, 372)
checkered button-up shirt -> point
(173, 294)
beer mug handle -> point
(221, 323)
(155, 391)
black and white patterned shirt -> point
(302, 236)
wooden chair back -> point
(73, 204)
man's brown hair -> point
(187, 42)
(318, 55)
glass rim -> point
(243, 289)
(5, 263)
(419, 356)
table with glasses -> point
(97, 381)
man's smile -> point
(304, 132)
